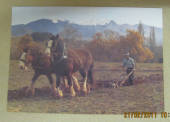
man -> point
(129, 66)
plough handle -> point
(123, 81)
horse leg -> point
(53, 85)
(85, 85)
(91, 79)
(65, 85)
(65, 82)
(84, 74)
(31, 88)
(76, 83)
(59, 92)
(72, 91)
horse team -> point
(78, 60)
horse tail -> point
(90, 75)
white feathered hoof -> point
(72, 92)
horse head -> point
(54, 43)
(57, 46)
(25, 60)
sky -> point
(89, 15)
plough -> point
(123, 79)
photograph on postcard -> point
(86, 60)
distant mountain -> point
(87, 31)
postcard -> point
(86, 60)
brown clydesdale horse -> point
(78, 60)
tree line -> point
(105, 46)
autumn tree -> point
(18, 44)
(135, 44)
(152, 39)
(111, 35)
(105, 49)
(98, 47)
(26, 42)
(70, 35)
(141, 29)
(156, 49)
(14, 51)
(142, 33)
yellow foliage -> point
(136, 46)
(104, 49)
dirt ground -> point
(147, 93)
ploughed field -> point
(145, 95)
